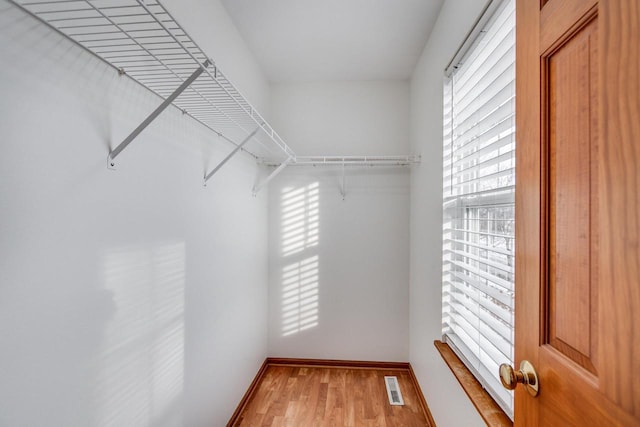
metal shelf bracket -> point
(343, 188)
(146, 122)
(226, 159)
(273, 174)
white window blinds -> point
(478, 193)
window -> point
(478, 201)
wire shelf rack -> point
(141, 39)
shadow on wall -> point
(141, 367)
(300, 273)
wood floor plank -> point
(333, 397)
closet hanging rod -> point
(141, 38)
(404, 160)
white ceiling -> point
(319, 40)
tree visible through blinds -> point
(478, 192)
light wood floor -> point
(332, 397)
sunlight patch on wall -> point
(141, 367)
(299, 219)
(300, 296)
(300, 274)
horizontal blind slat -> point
(485, 261)
(497, 142)
(471, 269)
(490, 288)
(501, 25)
(461, 230)
(489, 161)
(497, 345)
(483, 247)
(497, 325)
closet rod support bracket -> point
(226, 159)
(116, 151)
(110, 163)
(343, 187)
(273, 174)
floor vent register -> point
(393, 391)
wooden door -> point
(578, 211)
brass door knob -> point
(510, 378)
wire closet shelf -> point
(140, 38)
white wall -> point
(447, 401)
(342, 118)
(128, 297)
(347, 259)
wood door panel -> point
(571, 397)
(577, 301)
(571, 75)
(560, 17)
(619, 177)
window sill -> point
(489, 410)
